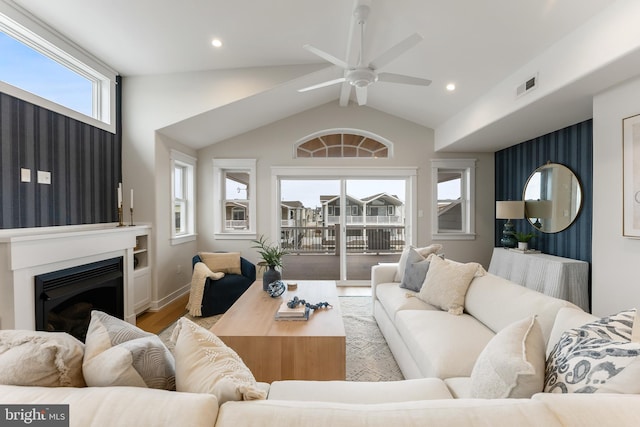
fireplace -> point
(64, 298)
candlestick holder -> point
(120, 223)
(131, 223)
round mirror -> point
(553, 198)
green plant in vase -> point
(523, 239)
(272, 255)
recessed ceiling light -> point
(216, 42)
(451, 87)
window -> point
(453, 208)
(183, 198)
(344, 143)
(234, 210)
(59, 77)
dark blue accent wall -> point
(572, 147)
(85, 164)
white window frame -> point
(188, 163)
(32, 33)
(467, 167)
(220, 168)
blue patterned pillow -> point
(599, 357)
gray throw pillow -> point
(415, 271)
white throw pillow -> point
(600, 357)
(38, 358)
(424, 252)
(512, 364)
(447, 282)
(118, 353)
(204, 364)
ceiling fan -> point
(362, 76)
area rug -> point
(368, 355)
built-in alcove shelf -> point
(25, 253)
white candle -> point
(120, 195)
(132, 198)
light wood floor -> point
(156, 321)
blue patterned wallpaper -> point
(85, 164)
(572, 147)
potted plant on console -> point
(523, 239)
(272, 256)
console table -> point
(563, 278)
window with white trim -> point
(183, 170)
(234, 198)
(453, 207)
(57, 76)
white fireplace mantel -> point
(26, 253)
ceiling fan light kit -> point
(362, 76)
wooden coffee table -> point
(314, 349)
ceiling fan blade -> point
(361, 94)
(395, 51)
(323, 84)
(345, 92)
(399, 78)
(326, 56)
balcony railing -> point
(359, 239)
(236, 224)
(369, 219)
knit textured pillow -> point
(37, 358)
(204, 364)
(118, 353)
(446, 283)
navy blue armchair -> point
(220, 294)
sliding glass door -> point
(337, 228)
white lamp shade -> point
(512, 209)
(538, 208)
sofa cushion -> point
(580, 410)
(360, 392)
(415, 271)
(442, 412)
(487, 293)
(599, 357)
(118, 406)
(222, 262)
(118, 353)
(442, 345)
(204, 364)
(512, 364)
(393, 299)
(402, 262)
(446, 283)
(37, 358)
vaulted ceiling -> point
(477, 45)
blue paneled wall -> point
(572, 147)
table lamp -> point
(509, 210)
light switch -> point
(25, 175)
(44, 177)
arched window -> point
(336, 144)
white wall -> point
(150, 103)
(615, 266)
(272, 145)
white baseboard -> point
(162, 303)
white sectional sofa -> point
(435, 349)
(429, 342)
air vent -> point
(527, 86)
